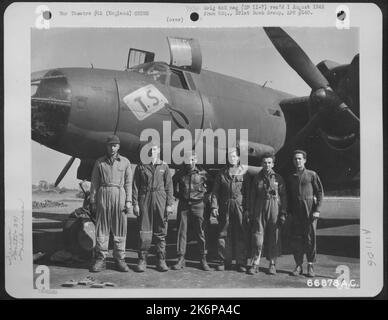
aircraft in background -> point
(74, 109)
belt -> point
(106, 185)
(189, 202)
(154, 189)
(267, 197)
(233, 201)
(306, 198)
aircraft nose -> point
(50, 106)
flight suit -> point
(152, 192)
(267, 204)
(111, 188)
(190, 187)
(305, 194)
(229, 198)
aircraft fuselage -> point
(100, 102)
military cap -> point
(113, 139)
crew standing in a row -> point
(250, 210)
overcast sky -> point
(243, 53)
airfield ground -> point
(338, 244)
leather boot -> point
(121, 265)
(253, 269)
(224, 266)
(98, 265)
(272, 269)
(204, 265)
(142, 263)
(310, 270)
(297, 271)
(241, 268)
(161, 264)
(228, 266)
(220, 267)
(180, 264)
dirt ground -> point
(193, 277)
(338, 244)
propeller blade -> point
(296, 58)
(322, 95)
(344, 108)
(301, 63)
(354, 89)
(64, 171)
(332, 100)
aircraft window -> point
(142, 68)
(157, 76)
(177, 80)
(274, 112)
(190, 81)
(157, 71)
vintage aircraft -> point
(74, 109)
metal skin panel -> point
(95, 113)
(240, 104)
(188, 102)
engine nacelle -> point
(344, 80)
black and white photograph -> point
(199, 158)
(292, 89)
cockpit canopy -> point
(165, 74)
(156, 70)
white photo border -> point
(19, 18)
